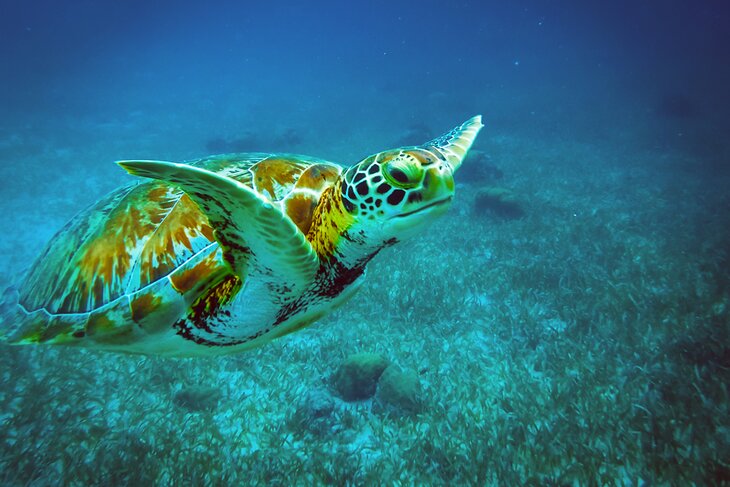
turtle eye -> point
(399, 176)
(403, 173)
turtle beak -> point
(455, 144)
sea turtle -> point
(228, 252)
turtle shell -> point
(151, 236)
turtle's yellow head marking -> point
(397, 191)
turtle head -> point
(394, 193)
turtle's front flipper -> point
(252, 232)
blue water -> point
(581, 339)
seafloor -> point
(579, 337)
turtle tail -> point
(10, 315)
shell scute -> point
(63, 329)
(208, 264)
(300, 207)
(185, 231)
(154, 307)
(318, 176)
(112, 325)
(274, 177)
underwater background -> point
(567, 323)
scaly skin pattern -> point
(330, 223)
(142, 271)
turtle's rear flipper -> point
(8, 299)
(251, 230)
(10, 315)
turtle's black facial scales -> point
(395, 182)
(364, 190)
